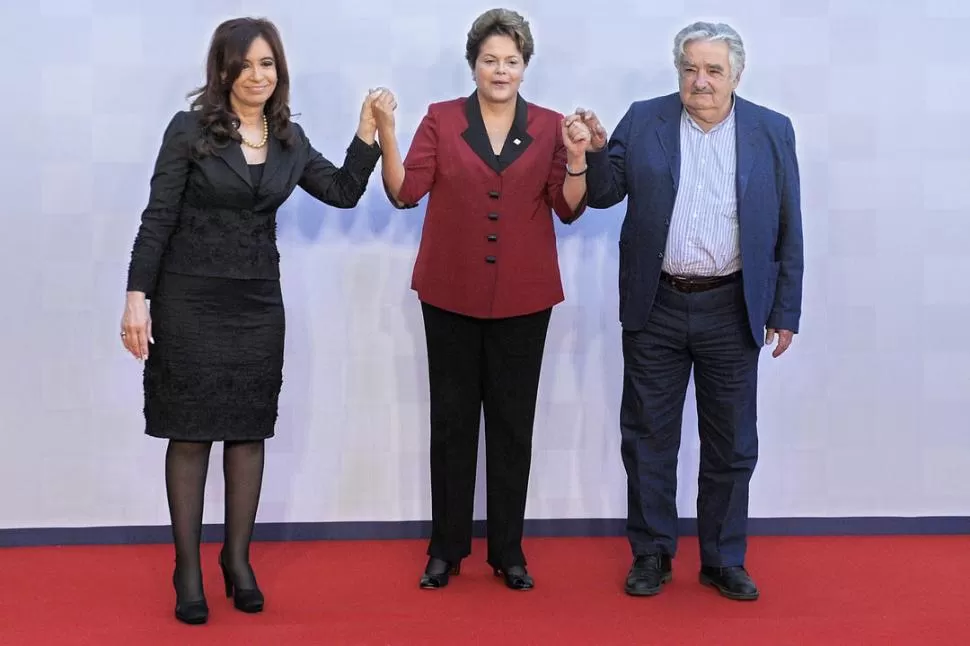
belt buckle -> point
(675, 282)
(688, 284)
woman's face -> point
(257, 80)
(499, 69)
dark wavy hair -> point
(224, 63)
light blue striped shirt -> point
(704, 236)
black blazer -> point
(204, 216)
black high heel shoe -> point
(190, 612)
(437, 572)
(246, 600)
(516, 577)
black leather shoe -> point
(648, 574)
(437, 572)
(731, 582)
(516, 577)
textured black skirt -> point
(215, 370)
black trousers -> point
(476, 364)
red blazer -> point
(488, 245)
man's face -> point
(706, 82)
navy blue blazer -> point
(642, 162)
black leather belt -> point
(689, 284)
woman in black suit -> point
(205, 256)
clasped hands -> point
(582, 131)
(377, 114)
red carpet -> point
(819, 591)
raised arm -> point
(342, 187)
(566, 185)
(606, 179)
(407, 181)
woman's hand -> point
(383, 107)
(367, 130)
(576, 136)
(136, 325)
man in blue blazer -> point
(710, 270)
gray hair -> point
(709, 31)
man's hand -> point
(785, 338)
(596, 129)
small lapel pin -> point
(516, 141)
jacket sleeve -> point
(338, 187)
(787, 307)
(421, 162)
(606, 177)
(161, 214)
(555, 181)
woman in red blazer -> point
(487, 273)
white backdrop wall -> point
(865, 416)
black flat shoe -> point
(516, 577)
(732, 582)
(189, 612)
(437, 572)
(248, 600)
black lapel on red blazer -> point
(516, 142)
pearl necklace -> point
(262, 142)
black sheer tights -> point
(243, 467)
(186, 466)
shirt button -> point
(492, 237)
(490, 259)
(493, 216)
(493, 195)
